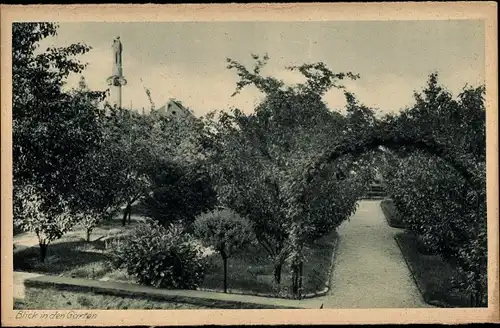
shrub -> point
(160, 257)
(392, 214)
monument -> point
(117, 80)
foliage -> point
(48, 221)
(259, 158)
(179, 193)
(95, 195)
(160, 257)
(223, 230)
(226, 232)
(129, 154)
(173, 168)
(52, 129)
(437, 202)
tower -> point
(117, 80)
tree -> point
(226, 232)
(95, 195)
(442, 205)
(258, 159)
(53, 129)
(131, 154)
(32, 214)
(180, 186)
(179, 193)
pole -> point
(119, 96)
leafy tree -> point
(95, 195)
(226, 232)
(259, 158)
(180, 186)
(32, 214)
(53, 130)
(444, 207)
(131, 154)
(179, 193)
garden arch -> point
(344, 148)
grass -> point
(432, 274)
(71, 258)
(252, 271)
(391, 213)
(50, 298)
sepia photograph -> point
(299, 164)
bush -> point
(160, 257)
(392, 214)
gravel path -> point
(370, 271)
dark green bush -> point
(160, 257)
(392, 214)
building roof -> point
(178, 104)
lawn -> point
(391, 213)
(72, 256)
(50, 298)
(69, 258)
(252, 271)
(432, 274)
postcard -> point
(249, 164)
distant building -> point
(174, 108)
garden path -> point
(369, 269)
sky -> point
(187, 60)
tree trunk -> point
(125, 213)
(295, 281)
(129, 213)
(89, 231)
(43, 251)
(224, 259)
(301, 267)
(277, 274)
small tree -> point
(32, 214)
(226, 232)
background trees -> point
(180, 185)
(52, 129)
